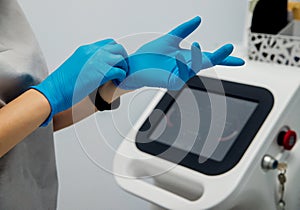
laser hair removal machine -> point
(226, 140)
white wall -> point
(63, 25)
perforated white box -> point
(282, 48)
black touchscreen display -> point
(204, 127)
(193, 115)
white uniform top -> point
(28, 177)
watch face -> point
(205, 129)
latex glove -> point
(88, 68)
(155, 64)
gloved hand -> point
(88, 68)
(155, 63)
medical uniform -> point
(28, 176)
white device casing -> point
(246, 185)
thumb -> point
(116, 74)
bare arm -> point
(21, 117)
(25, 114)
(109, 92)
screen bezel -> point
(259, 95)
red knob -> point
(289, 139)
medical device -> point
(226, 140)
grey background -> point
(61, 26)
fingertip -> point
(233, 61)
(122, 75)
(196, 44)
(240, 62)
(221, 53)
(186, 28)
(197, 19)
(118, 74)
(229, 47)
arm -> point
(89, 67)
(21, 117)
(109, 92)
(25, 114)
(159, 63)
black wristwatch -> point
(102, 105)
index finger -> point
(185, 29)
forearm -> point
(21, 117)
(75, 114)
(109, 92)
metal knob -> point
(269, 163)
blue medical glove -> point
(155, 63)
(88, 68)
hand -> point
(155, 63)
(88, 68)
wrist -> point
(109, 92)
(107, 97)
(48, 99)
(41, 102)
